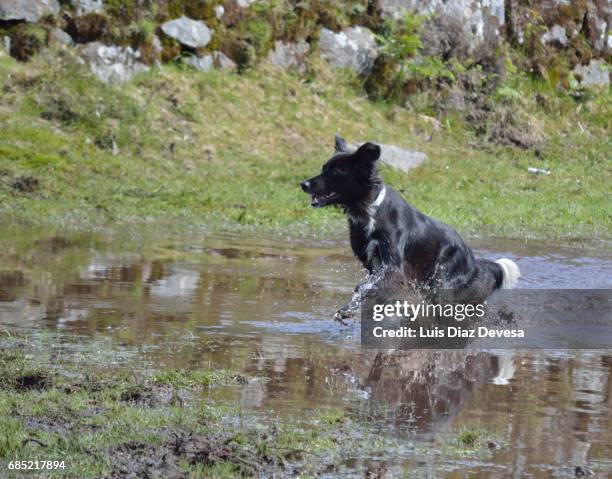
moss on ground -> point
(219, 148)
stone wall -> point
(345, 35)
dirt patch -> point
(59, 108)
(27, 41)
(136, 459)
(33, 381)
(500, 122)
(152, 396)
(513, 135)
(88, 28)
(25, 184)
(247, 458)
(213, 450)
(50, 425)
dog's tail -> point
(508, 275)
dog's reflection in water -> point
(420, 389)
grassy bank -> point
(101, 421)
(106, 415)
(184, 147)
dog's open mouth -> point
(323, 199)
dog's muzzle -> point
(318, 199)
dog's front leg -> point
(387, 257)
(348, 310)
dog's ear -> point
(340, 144)
(368, 153)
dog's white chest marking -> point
(369, 223)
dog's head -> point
(347, 178)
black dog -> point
(389, 235)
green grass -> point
(187, 148)
(471, 440)
(182, 378)
(100, 420)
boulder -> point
(188, 32)
(401, 159)
(289, 55)
(476, 15)
(82, 7)
(223, 62)
(203, 64)
(398, 158)
(112, 64)
(599, 22)
(28, 10)
(60, 36)
(353, 47)
(215, 59)
(595, 74)
(555, 35)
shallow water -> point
(264, 305)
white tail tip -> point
(511, 272)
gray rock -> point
(203, 64)
(28, 10)
(398, 158)
(598, 18)
(599, 22)
(157, 46)
(188, 32)
(353, 48)
(112, 64)
(207, 62)
(289, 55)
(222, 61)
(6, 43)
(219, 11)
(595, 74)
(60, 36)
(455, 99)
(87, 6)
(465, 8)
(476, 16)
(245, 3)
(555, 35)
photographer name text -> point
(448, 332)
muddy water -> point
(263, 306)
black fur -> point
(396, 236)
